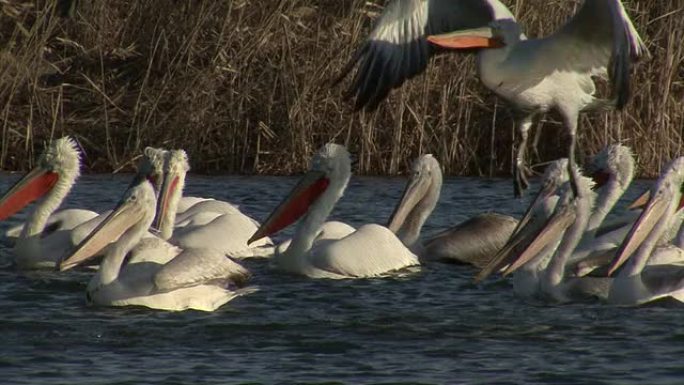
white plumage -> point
(533, 75)
(157, 275)
(370, 251)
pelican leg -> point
(571, 122)
(520, 170)
(535, 141)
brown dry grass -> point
(243, 86)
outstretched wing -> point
(600, 36)
(397, 49)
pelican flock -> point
(162, 250)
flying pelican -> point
(227, 232)
(200, 279)
(370, 251)
(635, 283)
(533, 75)
(473, 242)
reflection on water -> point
(434, 326)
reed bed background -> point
(244, 87)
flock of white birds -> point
(162, 250)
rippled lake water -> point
(430, 327)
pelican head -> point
(667, 197)
(129, 221)
(334, 161)
(151, 165)
(175, 168)
(613, 163)
(418, 200)
(330, 170)
(57, 169)
(555, 176)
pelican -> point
(201, 279)
(151, 164)
(533, 75)
(187, 206)
(474, 241)
(227, 232)
(612, 169)
(544, 259)
(39, 247)
(61, 220)
(599, 244)
(635, 283)
(372, 250)
(40, 244)
(540, 209)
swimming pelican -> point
(612, 169)
(61, 220)
(200, 279)
(151, 164)
(227, 232)
(599, 246)
(543, 262)
(370, 251)
(473, 242)
(635, 283)
(533, 75)
(40, 245)
(187, 206)
(57, 169)
(539, 210)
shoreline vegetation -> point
(244, 86)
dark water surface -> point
(433, 326)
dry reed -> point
(243, 86)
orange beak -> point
(304, 194)
(32, 186)
(469, 38)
